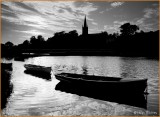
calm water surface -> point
(36, 96)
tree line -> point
(129, 42)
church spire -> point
(85, 22)
(85, 27)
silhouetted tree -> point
(116, 35)
(41, 42)
(9, 44)
(40, 38)
(104, 33)
(127, 29)
(7, 49)
(26, 43)
(59, 33)
(33, 40)
(129, 43)
(73, 33)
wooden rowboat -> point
(109, 84)
(37, 68)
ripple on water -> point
(35, 96)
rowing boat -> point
(37, 68)
(110, 84)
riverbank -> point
(22, 56)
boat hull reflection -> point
(137, 100)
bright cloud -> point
(33, 32)
(120, 22)
(111, 28)
(64, 10)
(52, 15)
(115, 27)
(94, 23)
(149, 12)
(148, 20)
(31, 18)
(117, 4)
(113, 5)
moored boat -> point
(109, 84)
(37, 68)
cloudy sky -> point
(21, 20)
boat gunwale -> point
(36, 66)
(103, 81)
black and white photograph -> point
(79, 58)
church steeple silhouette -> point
(85, 27)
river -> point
(32, 95)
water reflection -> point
(32, 95)
(84, 70)
(138, 100)
(129, 68)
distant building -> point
(94, 40)
(85, 28)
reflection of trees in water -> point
(65, 68)
(71, 69)
(74, 68)
(129, 68)
(84, 70)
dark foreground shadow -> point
(6, 66)
(137, 100)
(39, 74)
(6, 85)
